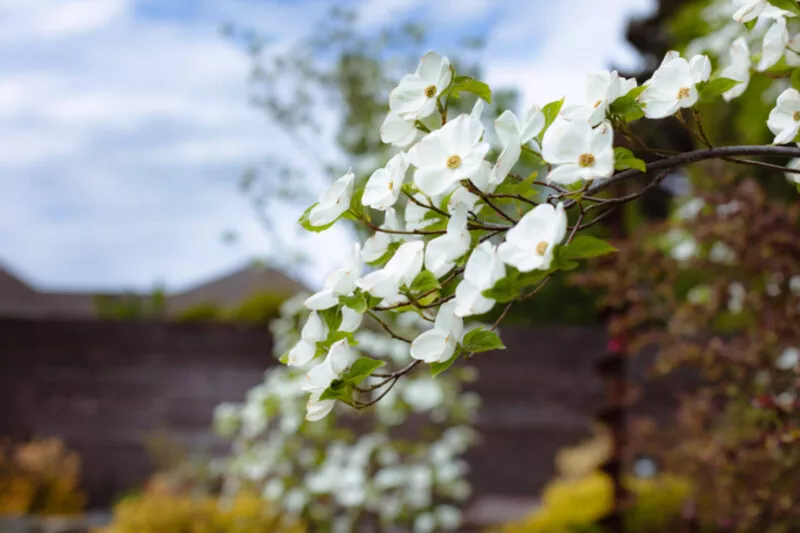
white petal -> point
(397, 131)
(351, 319)
(314, 329)
(470, 301)
(340, 356)
(534, 122)
(565, 174)
(432, 346)
(407, 261)
(301, 354)
(565, 141)
(324, 299)
(317, 409)
(700, 67)
(774, 44)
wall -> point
(105, 386)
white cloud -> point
(580, 36)
(47, 20)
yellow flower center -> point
(430, 91)
(683, 92)
(453, 161)
(586, 160)
(796, 116)
(597, 104)
(391, 185)
(541, 248)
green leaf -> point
(586, 246)
(362, 368)
(561, 262)
(788, 5)
(482, 340)
(438, 368)
(306, 223)
(339, 390)
(424, 282)
(332, 318)
(716, 87)
(550, 112)
(505, 289)
(624, 158)
(750, 24)
(467, 84)
(357, 301)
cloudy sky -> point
(124, 124)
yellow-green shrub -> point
(574, 505)
(40, 477)
(163, 513)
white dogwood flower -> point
(383, 187)
(601, 89)
(416, 95)
(578, 151)
(442, 252)
(484, 268)
(512, 134)
(378, 244)
(448, 155)
(313, 332)
(400, 270)
(529, 245)
(774, 44)
(397, 131)
(333, 201)
(673, 85)
(784, 119)
(439, 344)
(340, 282)
(319, 378)
(738, 69)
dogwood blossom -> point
(529, 245)
(397, 131)
(601, 89)
(512, 135)
(416, 95)
(439, 344)
(319, 378)
(448, 155)
(784, 119)
(333, 201)
(313, 332)
(383, 187)
(484, 268)
(774, 44)
(442, 252)
(738, 69)
(401, 270)
(340, 282)
(378, 244)
(673, 85)
(578, 151)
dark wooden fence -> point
(105, 386)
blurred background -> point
(155, 157)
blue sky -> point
(124, 124)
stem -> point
(679, 160)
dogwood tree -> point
(492, 214)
